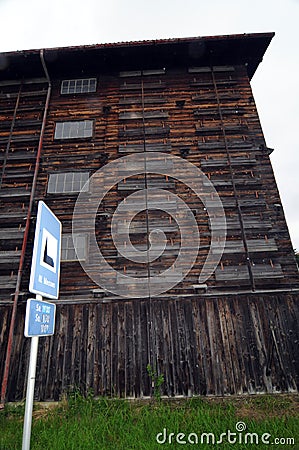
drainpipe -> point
(25, 239)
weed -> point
(157, 381)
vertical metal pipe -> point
(25, 239)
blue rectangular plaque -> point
(40, 318)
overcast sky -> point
(28, 24)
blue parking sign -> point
(45, 266)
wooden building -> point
(65, 114)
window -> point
(80, 86)
(74, 130)
(68, 182)
(68, 252)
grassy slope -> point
(78, 423)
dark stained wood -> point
(218, 339)
(215, 346)
(204, 345)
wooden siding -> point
(21, 111)
(209, 346)
(244, 176)
(214, 344)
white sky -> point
(28, 24)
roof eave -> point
(247, 49)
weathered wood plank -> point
(137, 86)
(138, 115)
(254, 245)
(202, 344)
(149, 131)
(132, 148)
(132, 184)
(8, 282)
(205, 345)
(235, 161)
(241, 272)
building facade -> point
(67, 116)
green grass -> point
(88, 424)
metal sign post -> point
(39, 321)
(30, 390)
(40, 315)
(30, 393)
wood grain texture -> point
(207, 346)
(229, 340)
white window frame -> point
(68, 253)
(74, 129)
(78, 86)
(68, 182)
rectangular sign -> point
(40, 318)
(45, 266)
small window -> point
(68, 252)
(81, 86)
(68, 182)
(74, 130)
